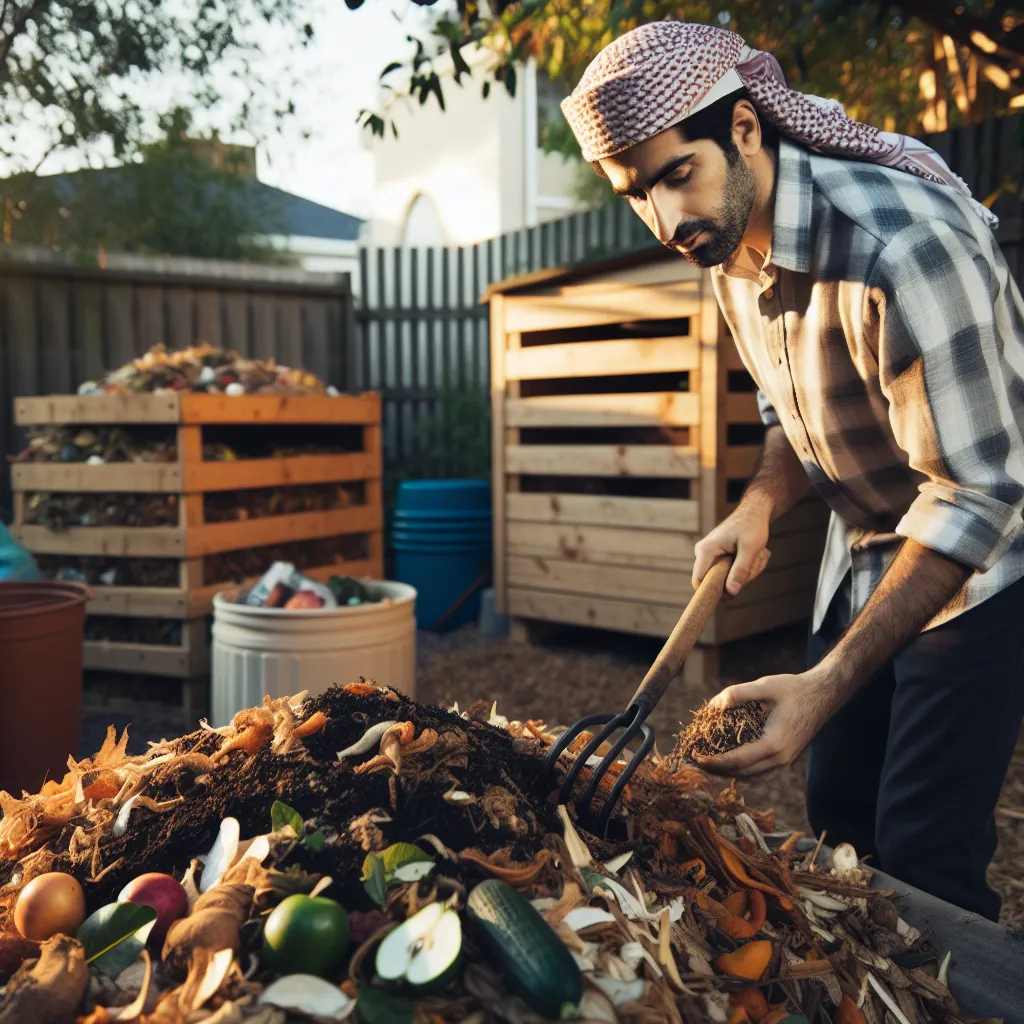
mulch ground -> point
(580, 672)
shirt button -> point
(769, 293)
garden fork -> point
(633, 720)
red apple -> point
(161, 892)
(305, 599)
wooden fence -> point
(422, 327)
(62, 324)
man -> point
(870, 302)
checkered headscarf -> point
(661, 73)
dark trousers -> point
(910, 769)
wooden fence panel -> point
(62, 324)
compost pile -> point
(203, 368)
(357, 856)
(98, 445)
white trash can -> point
(258, 651)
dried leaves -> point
(716, 731)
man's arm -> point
(941, 354)
(780, 479)
(917, 585)
(778, 484)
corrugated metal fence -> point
(61, 324)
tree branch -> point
(20, 22)
(952, 19)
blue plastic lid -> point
(433, 495)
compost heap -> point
(699, 911)
(204, 368)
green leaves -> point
(399, 864)
(375, 883)
(115, 935)
(281, 814)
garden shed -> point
(624, 428)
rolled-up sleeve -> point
(943, 362)
(769, 417)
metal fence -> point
(61, 324)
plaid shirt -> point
(886, 336)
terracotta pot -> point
(42, 627)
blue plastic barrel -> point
(441, 536)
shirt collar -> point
(791, 229)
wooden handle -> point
(684, 635)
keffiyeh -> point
(661, 73)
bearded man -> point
(871, 304)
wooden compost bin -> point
(624, 428)
(194, 543)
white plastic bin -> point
(257, 651)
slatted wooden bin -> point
(624, 428)
(194, 550)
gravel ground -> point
(576, 672)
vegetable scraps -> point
(357, 856)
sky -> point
(329, 82)
(350, 50)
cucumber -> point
(526, 949)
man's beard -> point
(723, 233)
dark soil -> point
(714, 731)
(327, 791)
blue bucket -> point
(441, 536)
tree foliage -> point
(908, 65)
(75, 70)
(180, 196)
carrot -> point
(515, 875)
(751, 999)
(748, 961)
(360, 689)
(736, 902)
(787, 849)
(735, 868)
(750, 920)
(313, 724)
(848, 1013)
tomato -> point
(306, 935)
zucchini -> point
(526, 949)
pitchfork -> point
(633, 720)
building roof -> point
(291, 215)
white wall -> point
(469, 162)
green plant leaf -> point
(377, 1007)
(315, 841)
(594, 879)
(115, 935)
(281, 814)
(375, 880)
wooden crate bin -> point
(624, 428)
(195, 543)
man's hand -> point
(800, 706)
(745, 534)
